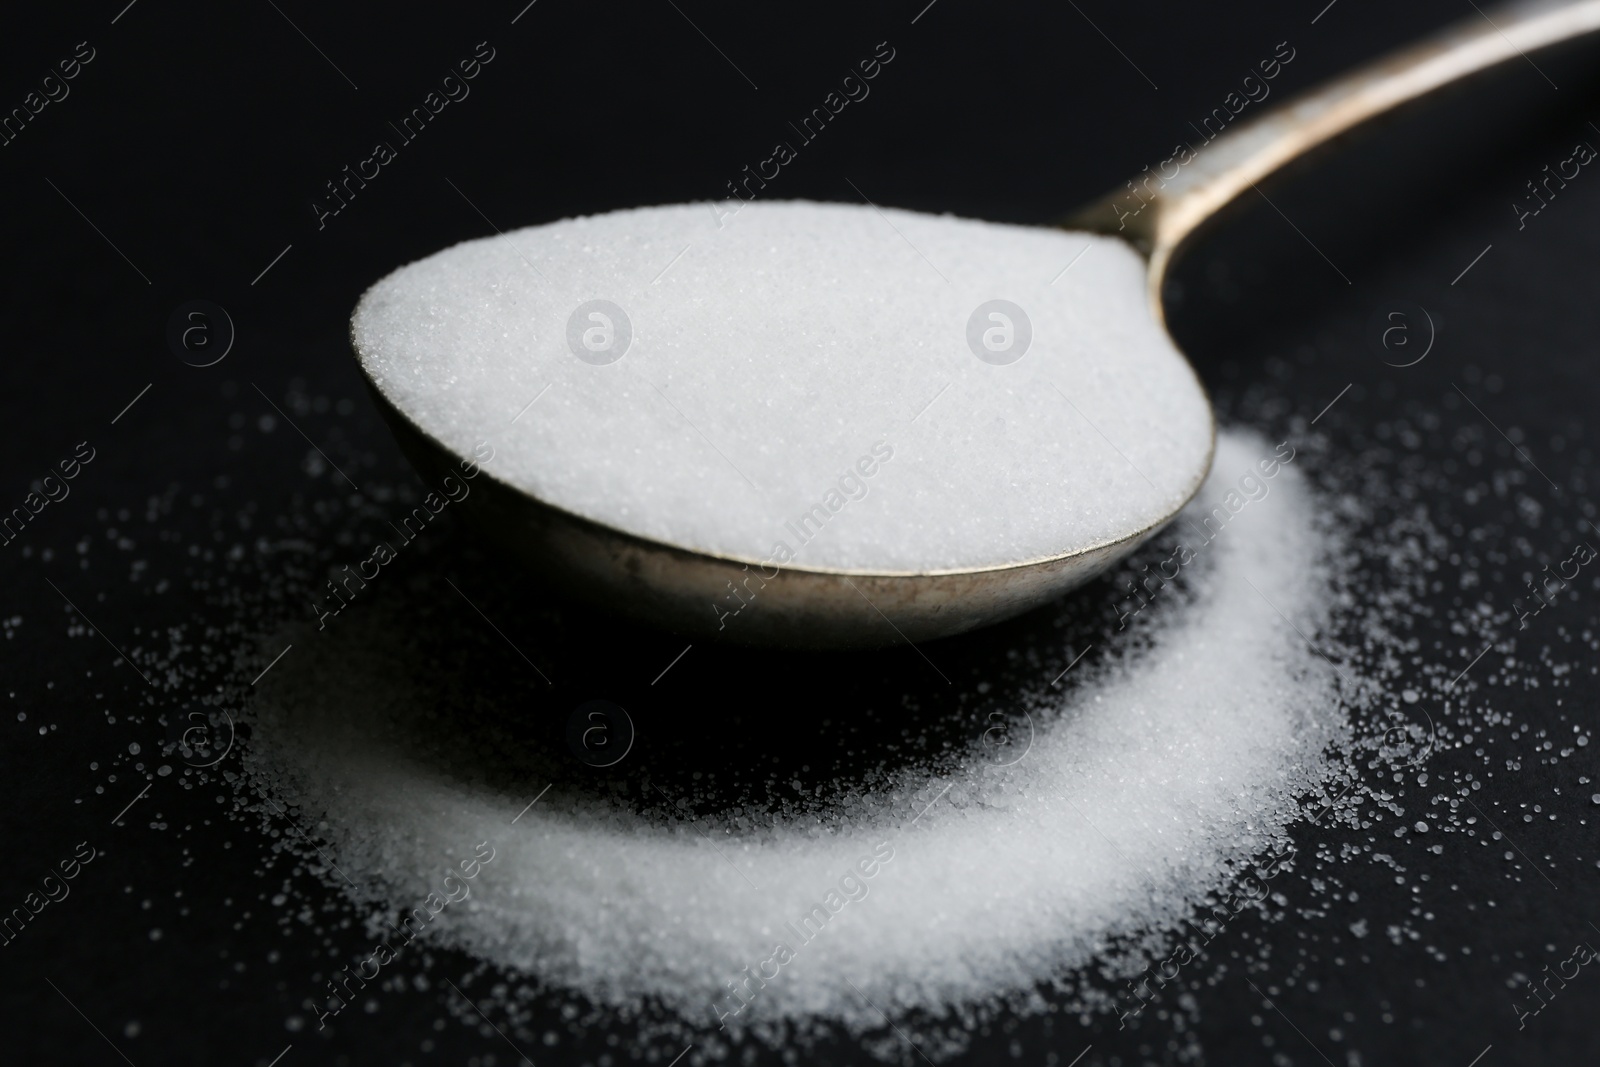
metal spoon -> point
(671, 586)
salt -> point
(419, 679)
(939, 393)
(1176, 759)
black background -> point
(187, 157)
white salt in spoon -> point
(823, 425)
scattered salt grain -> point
(1419, 594)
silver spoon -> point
(671, 585)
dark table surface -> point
(183, 163)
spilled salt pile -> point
(942, 393)
(1171, 757)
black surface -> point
(196, 141)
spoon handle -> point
(1156, 213)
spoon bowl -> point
(800, 607)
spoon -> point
(675, 585)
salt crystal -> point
(1178, 756)
(709, 384)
